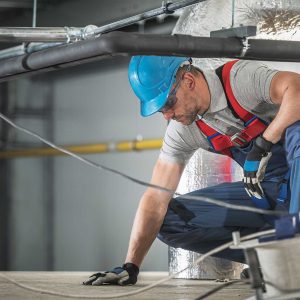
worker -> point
(244, 110)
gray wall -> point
(92, 209)
(100, 206)
(86, 213)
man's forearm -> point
(152, 210)
(147, 223)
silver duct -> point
(205, 169)
(275, 20)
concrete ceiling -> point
(15, 8)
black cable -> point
(220, 287)
(138, 181)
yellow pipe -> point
(85, 149)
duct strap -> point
(25, 64)
(165, 7)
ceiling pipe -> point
(67, 34)
(124, 146)
(121, 43)
(46, 34)
(47, 37)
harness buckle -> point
(239, 139)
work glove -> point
(255, 167)
(125, 275)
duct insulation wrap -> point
(274, 20)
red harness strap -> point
(253, 126)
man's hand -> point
(125, 275)
(255, 167)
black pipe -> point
(121, 43)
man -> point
(244, 110)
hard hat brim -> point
(151, 107)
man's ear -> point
(189, 80)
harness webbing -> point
(253, 125)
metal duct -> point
(117, 43)
(205, 169)
(274, 20)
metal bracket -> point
(246, 46)
(239, 32)
(165, 6)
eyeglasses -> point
(172, 99)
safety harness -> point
(222, 143)
(253, 125)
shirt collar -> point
(218, 99)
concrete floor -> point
(70, 283)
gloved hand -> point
(255, 166)
(125, 275)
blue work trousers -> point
(199, 226)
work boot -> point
(245, 274)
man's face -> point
(183, 104)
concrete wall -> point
(96, 104)
(92, 210)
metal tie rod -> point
(166, 8)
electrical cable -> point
(220, 287)
(143, 183)
(148, 287)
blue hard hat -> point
(151, 78)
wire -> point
(143, 183)
(220, 287)
(138, 291)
